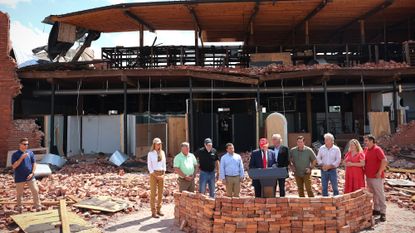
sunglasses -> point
(25, 144)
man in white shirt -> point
(329, 158)
(156, 163)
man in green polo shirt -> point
(303, 159)
(185, 165)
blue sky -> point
(28, 31)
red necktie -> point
(264, 159)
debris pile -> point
(278, 68)
(400, 147)
(402, 195)
(381, 65)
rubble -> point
(400, 146)
(92, 178)
(278, 68)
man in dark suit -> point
(282, 156)
(261, 158)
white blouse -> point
(153, 164)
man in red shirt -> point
(375, 164)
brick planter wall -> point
(345, 213)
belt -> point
(232, 176)
(159, 171)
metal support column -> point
(395, 104)
(191, 113)
(197, 57)
(125, 119)
(52, 120)
(326, 103)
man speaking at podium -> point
(261, 158)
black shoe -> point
(376, 212)
(382, 218)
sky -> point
(27, 30)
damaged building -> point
(325, 70)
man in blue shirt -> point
(24, 166)
(231, 171)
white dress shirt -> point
(330, 156)
(153, 164)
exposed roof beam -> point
(137, 19)
(312, 13)
(249, 27)
(194, 17)
(384, 5)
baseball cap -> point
(208, 141)
(263, 142)
(156, 141)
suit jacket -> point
(283, 156)
(256, 161)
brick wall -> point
(24, 129)
(345, 213)
(10, 87)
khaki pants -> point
(33, 188)
(185, 185)
(156, 188)
(375, 186)
(233, 186)
(304, 181)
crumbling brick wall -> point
(344, 213)
(9, 88)
(23, 128)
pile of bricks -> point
(86, 180)
(345, 213)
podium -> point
(268, 178)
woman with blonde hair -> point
(156, 163)
(354, 161)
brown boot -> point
(160, 213)
(154, 215)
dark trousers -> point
(281, 186)
(257, 187)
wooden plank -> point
(64, 217)
(392, 169)
(49, 220)
(177, 131)
(102, 203)
(379, 124)
(145, 134)
(67, 33)
(45, 203)
(284, 58)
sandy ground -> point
(398, 220)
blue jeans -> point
(209, 179)
(326, 176)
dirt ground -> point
(398, 220)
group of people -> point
(301, 160)
(363, 168)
